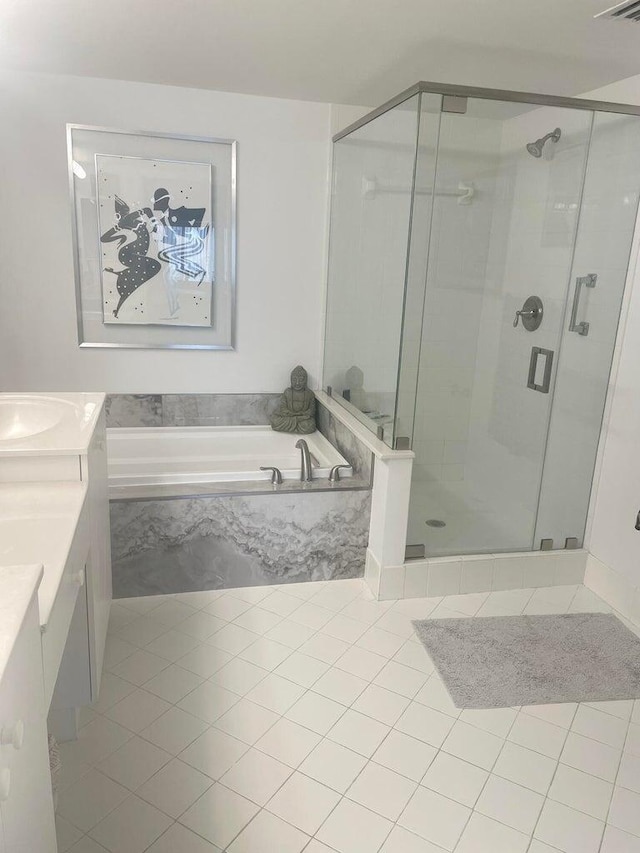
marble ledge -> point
(167, 491)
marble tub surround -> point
(354, 451)
(183, 545)
(132, 410)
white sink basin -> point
(23, 416)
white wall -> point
(613, 539)
(283, 155)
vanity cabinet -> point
(26, 804)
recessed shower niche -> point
(452, 206)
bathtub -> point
(148, 456)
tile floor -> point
(308, 717)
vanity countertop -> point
(39, 523)
(69, 420)
(17, 586)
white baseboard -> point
(475, 573)
(614, 588)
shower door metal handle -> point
(582, 328)
(543, 387)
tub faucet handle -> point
(276, 474)
(334, 474)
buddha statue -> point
(296, 410)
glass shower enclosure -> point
(479, 246)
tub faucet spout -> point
(306, 471)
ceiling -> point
(341, 51)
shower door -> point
(506, 207)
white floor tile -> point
(256, 776)
(498, 721)
(345, 629)
(301, 669)
(239, 676)
(232, 638)
(265, 653)
(179, 839)
(112, 691)
(510, 804)
(303, 802)
(288, 742)
(400, 840)
(174, 731)
(132, 827)
(537, 735)
(435, 695)
(361, 662)
(95, 741)
(632, 743)
(275, 693)
(171, 612)
(324, 648)
(581, 791)
(246, 721)
(435, 818)
(311, 615)
(281, 603)
(396, 623)
(213, 753)
(425, 724)
(175, 788)
(341, 686)
(473, 745)
(140, 667)
(138, 710)
(381, 704)
(599, 726)
(172, 645)
(617, 841)
(66, 834)
(568, 830)
(629, 772)
(400, 679)
(227, 607)
(359, 733)
(208, 701)
(592, 757)
(201, 625)
(525, 767)
(142, 630)
(559, 714)
(333, 765)
(414, 655)
(268, 832)
(290, 633)
(87, 845)
(219, 815)
(381, 790)
(134, 763)
(456, 779)
(173, 683)
(405, 755)
(625, 811)
(484, 835)
(315, 712)
(351, 828)
(621, 709)
(204, 660)
(381, 642)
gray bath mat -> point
(500, 661)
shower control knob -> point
(638, 521)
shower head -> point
(536, 148)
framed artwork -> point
(154, 238)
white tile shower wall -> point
(283, 156)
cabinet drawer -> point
(54, 634)
(36, 469)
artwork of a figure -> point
(132, 235)
(296, 411)
(159, 215)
